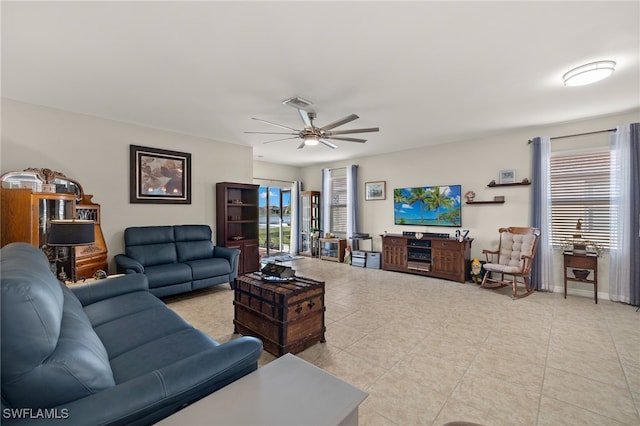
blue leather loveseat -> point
(108, 353)
(177, 259)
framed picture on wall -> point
(159, 176)
(507, 176)
(375, 190)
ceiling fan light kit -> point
(589, 73)
(311, 140)
(312, 135)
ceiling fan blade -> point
(349, 139)
(273, 133)
(274, 124)
(340, 122)
(301, 145)
(345, 132)
(327, 143)
(305, 118)
(278, 140)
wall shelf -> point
(498, 199)
(524, 182)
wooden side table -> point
(581, 261)
(332, 249)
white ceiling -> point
(424, 72)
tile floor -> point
(430, 351)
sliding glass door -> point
(275, 220)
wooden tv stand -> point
(431, 256)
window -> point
(338, 210)
(580, 189)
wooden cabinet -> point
(237, 222)
(310, 222)
(587, 264)
(433, 256)
(332, 249)
(26, 215)
(394, 254)
(92, 258)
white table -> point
(286, 392)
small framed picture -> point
(507, 176)
(375, 190)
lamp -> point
(71, 233)
(311, 140)
(589, 73)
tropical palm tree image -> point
(420, 197)
(438, 197)
(398, 200)
(429, 205)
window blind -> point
(580, 189)
(339, 202)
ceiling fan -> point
(312, 135)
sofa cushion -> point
(126, 333)
(151, 245)
(193, 242)
(160, 352)
(207, 268)
(48, 343)
(162, 275)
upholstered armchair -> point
(513, 258)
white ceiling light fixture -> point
(311, 140)
(589, 73)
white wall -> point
(276, 172)
(95, 152)
(472, 164)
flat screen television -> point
(427, 206)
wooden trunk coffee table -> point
(288, 316)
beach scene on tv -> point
(427, 205)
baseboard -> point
(580, 292)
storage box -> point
(373, 259)
(359, 258)
(287, 316)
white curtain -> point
(326, 201)
(620, 253)
(352, 200)
(542, 272)
(294, 238)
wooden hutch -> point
(310, 223)
(32, 198)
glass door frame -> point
(266, 245)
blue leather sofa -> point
(177, 259)
(108, 353)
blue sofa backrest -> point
(151, 245)
(193, 242)
(50, 353)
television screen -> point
(427, 206)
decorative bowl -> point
(581, 274)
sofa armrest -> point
(232, 255)
(127, 265)
(110, 287)
(158, 394)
